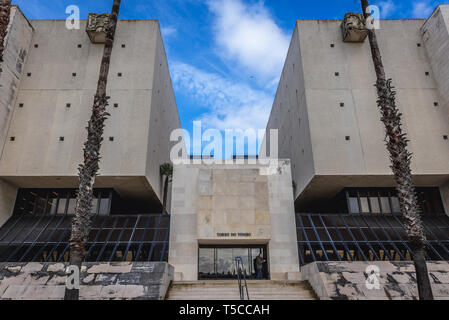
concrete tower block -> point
(435, 34)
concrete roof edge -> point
(20, 10)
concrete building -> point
(241, 206)
(326, 112)
(325, 109)
(318, 222)
(51, 73)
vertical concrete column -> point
(283, 247)
(183, 252)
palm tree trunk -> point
(81, 223)
(396, 141)
(164, 201)
(5, 10)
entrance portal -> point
(219, 262)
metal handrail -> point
(241, 275)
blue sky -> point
(226, 56)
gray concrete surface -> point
(314, 126)
(233, 204)
(142, 107)
(17, 45)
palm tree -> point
(400, 157)
(166, 170)
(5, 9)
(81, 223)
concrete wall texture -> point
(248, 200)
(99, 281)
(17, 45)
(397, 280)
(435, 34)
(55, 98)
(328, 120)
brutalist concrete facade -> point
(17, 47)
(326, 112)
(50, 75)
(233, 204)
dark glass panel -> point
(353, 205)
(364, 205)
(104, 207)
(206, 262)
(395, 205)
(374, 202)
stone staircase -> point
(228, 290)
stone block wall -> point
(99, 281)
(233, 204)
(397, 280)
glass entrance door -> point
(219, 262)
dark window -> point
(366, 237)
(219, 262)
(38, 202)
(39, 230)
(385, 200)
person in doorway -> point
(259, 266)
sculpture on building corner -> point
(97, 25)
(354, 28)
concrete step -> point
(228, 290)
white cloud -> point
(248, 35)
(387, 8)
(422, 9)
(231, 105)
(168, 31)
